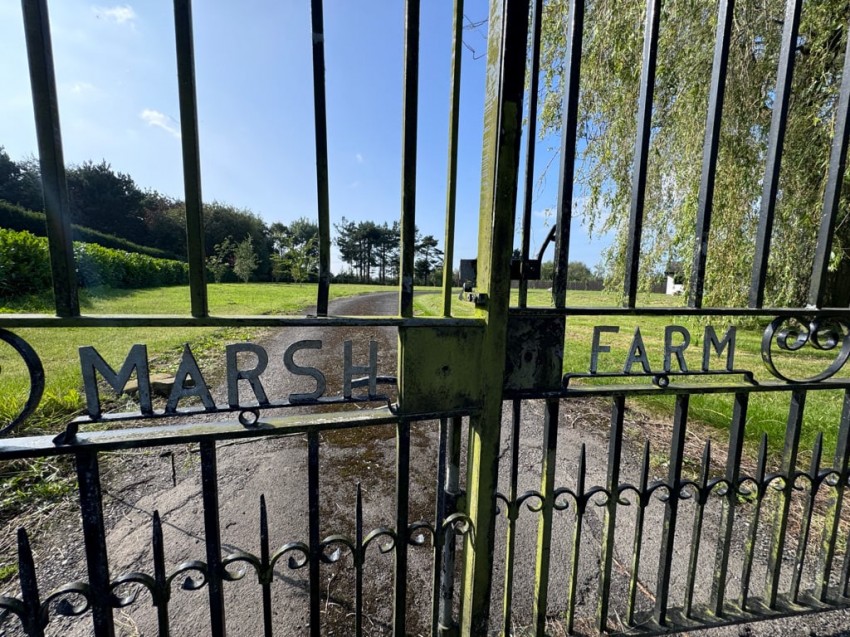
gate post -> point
(506, 56)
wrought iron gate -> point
(461, 372)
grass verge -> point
(767, 413)
(28, 485)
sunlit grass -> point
(58, 348)
(767, 412)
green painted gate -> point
(465, 372)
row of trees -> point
(371, 250)
(239, 244)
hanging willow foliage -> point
(608, 104)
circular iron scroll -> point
(36, 371)
(823, 333)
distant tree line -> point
(108, 207)
(371, 252)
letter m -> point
(92, 362)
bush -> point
(25, 266)
(24, 263)
(14, 217)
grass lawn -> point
(768, 412)
(57, 348)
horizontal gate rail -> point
(142, 437)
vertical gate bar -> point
(358, 563)
(776, 138)
(581, 504)
(832, 519)
(806, 525)
(644, 132)
(612, 484)
(313, 531)
(544, 526)
(506, 43)
(321, 130)
(730, 500)
(212, 536)
(33, 622)
(439, 534)
(451, 179)
(402, 514)
(750, 546)
(671, 510)
(834, 183)
(94, 535)
(191, 156)
(716, 93)
(57, 207)
(265, 561)
(696, 533)
(512, 514)
(452, 489)
(408, 156)
(530, 147)
(160, 577)
(789, 467)
(566, 178)
(643, 500)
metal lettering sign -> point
(189, 381)
(534, 359)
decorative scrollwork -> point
(11, 606)
(460, 523)
(245, 559)
(190, 583)
(419, 538)
(36, 372)
(377, 533)
(527, 499)
(141, 580)
(562, 503)
(65, 607)
(335, 540)
(293, 549)
(792, 333)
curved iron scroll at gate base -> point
(36, 372)
(823, 333)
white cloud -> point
(78, 88)
(160, 120)
(359, 158)
(120, 14)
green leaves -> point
(25, 266)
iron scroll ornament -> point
(823, 333)
(36, 372)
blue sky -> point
(116, 77)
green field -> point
(57, 348)
(767, 412)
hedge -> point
(15, 217)
(25, 266)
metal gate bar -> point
(185, 47)
(321, 126)
(644, 132)
(51, 157)
(714, 120)
(776, 138)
